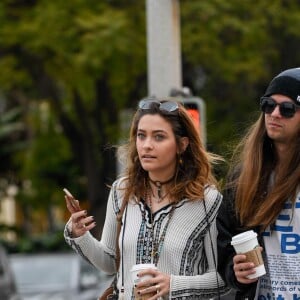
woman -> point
(171, 206)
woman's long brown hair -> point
(256, 157)
(192, 174)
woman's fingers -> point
(72, 204)
(158, 285)
(81, 223)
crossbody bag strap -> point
(212, 247)
(117, 259)
(112, 291)
(119, 226)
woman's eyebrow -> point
(153, 131)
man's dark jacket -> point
(228, 226)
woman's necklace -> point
(159, 185)
(157, 244)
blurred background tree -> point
(70, 68)
(231, 50)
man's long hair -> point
(255, 203)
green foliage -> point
(11, 141)
(9, 125)
(239, 46)
(48, 159)
(72, 66)
(75, 42)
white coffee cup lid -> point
(243, 237)
(142, 266)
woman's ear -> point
(184, 142)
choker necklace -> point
(158, 185)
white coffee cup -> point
(247, 243)
(136, 279)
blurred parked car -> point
(63, 276)
(8, 289)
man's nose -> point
(276, 112)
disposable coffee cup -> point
(246, 243)
(136, 279)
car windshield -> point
(44, 270)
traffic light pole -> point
(163, 47)
(164, 58)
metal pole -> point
(163, 46)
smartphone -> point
(74, 202)
(68, 193)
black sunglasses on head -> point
(165, 106)
(286, 109)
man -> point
(262, 193)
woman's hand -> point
(242, 269)
(81, 223)
(158, 285)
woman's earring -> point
(180, 160)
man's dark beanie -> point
(286, 83)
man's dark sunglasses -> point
(286, 109)
(165, 106)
